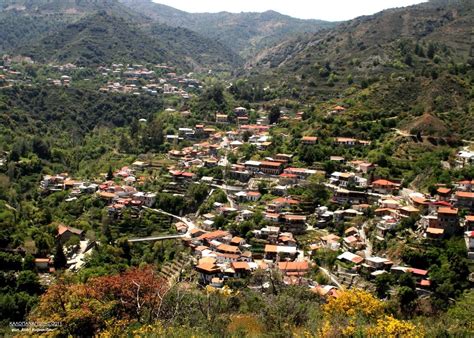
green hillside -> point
(91, 33)
(244, 33)
(411, 59)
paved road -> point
(335, 188)
(334, 280)
(185, 220)
(155, 238)
(196, 215)
(368, 243)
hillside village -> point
(132, 79)
(176, 174)
(361, 214)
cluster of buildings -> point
(263, 187)
(119, 192)
(76, 248)
(138, 79)
(221, 257)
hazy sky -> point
(332, 10)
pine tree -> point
(60, 260)
(110, 174)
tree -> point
(154, 137)
(43, 242)
(135, 295)
(124, 144)
(382, 285)
(274, 115)
(406, 294)
(350, 79)
(60, 260)
(134, 128)
(419, 50)
(40, 148)
(110, 174)
(431, 50)
(27, 281)
(29, 262)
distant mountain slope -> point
(72, 31)
(98, 39)
(245, 33)
(23, 22)
(401, 58)
(446, 22)
(102, 38)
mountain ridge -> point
(245, 33)
(101, 32)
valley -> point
(235, 174)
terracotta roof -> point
(345, 139)
(351, 229)
(294, 217)
(425, 282)
(464, 194)
(384, 183)
(470, 218)
(293, 266)
(419, 200)
(350, 239)
(214, 234)
(419, 271)
(208, 267)
(283, 200)
(227, 255)
(62, 229)
(435, 231)
(104, 194)
(253, 193)
(228, 248)
(285, 175)
(270, 164)
(271, 248)
(42, 260)
(450, 211)
(309, 138)
(443, 190)
(236, 240)
(240, 265)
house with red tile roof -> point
(309, 140)
(65, 233)
(464, 200)
(385, 187)
(293, 268)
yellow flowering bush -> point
(359, 313)
(391, 328)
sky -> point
(331, 10)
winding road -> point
(185, 220)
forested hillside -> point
(244, 33)
(417, 58)
(173, 174)
(92, 33)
